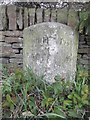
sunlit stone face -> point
(50, 49)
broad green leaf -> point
(84, 97)
(67, 102)
(75, 100)
(59, 111)
(5, 104)
(8, 98)
(73, 114)
(57, 87)
(77, 96)
(85, 88)
(70, 96)
(85, 102)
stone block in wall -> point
(82, 37)
(83, 50)
(53, 15)
(13, 33)
(88, 42)
(73, 18)
(3, 18)
(0, 49)
(19, 56)
(5, 60)
(84, 62)
(13, 40)
(89, 55)
(39, 15)
(17, 45)
(21, 51)
(7, 50)
(31, 15)
(11, 12)
(87, 38)
(47, 15)
(86, 57)
(25, 17)
(82, 42)
(84, 46)
(19, 17)
(17, 61)
(88, 28)
(1, 36)
(62, 15)
(0, 60)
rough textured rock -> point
(47, 15)
(53, 16)
(20, 18)
(73, 19)
(39, 15)
(50, 49)
(32, 15)
(3, 20)
(62, 15)
(11, 11)
(13, 33)
(25, 17)
(13, 40)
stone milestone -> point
(50, 49)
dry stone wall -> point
(13, 20)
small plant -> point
(27, 95)
(84, 21)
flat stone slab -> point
(50, 49)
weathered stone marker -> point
(50, 49)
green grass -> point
(26, 95)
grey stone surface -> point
(32, 15)
(73, 18)
(20, 18)
(47, 15)
(50, 49)
(25, 17)
(39, 15)
(3, 21)
(11, 12)
(62, 15)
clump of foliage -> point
(27, 95)
(84, 24)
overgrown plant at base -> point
(27, 95)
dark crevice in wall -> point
(7, 19)
(84, 32)
(50, 15)
(78, 13)
(22, 18)
(56, 15)
(18, 27)
(17, 11)
(28, 18)
(68, 8)
(19, 50)
(35, 19)
(85, 40)
(43, 15)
